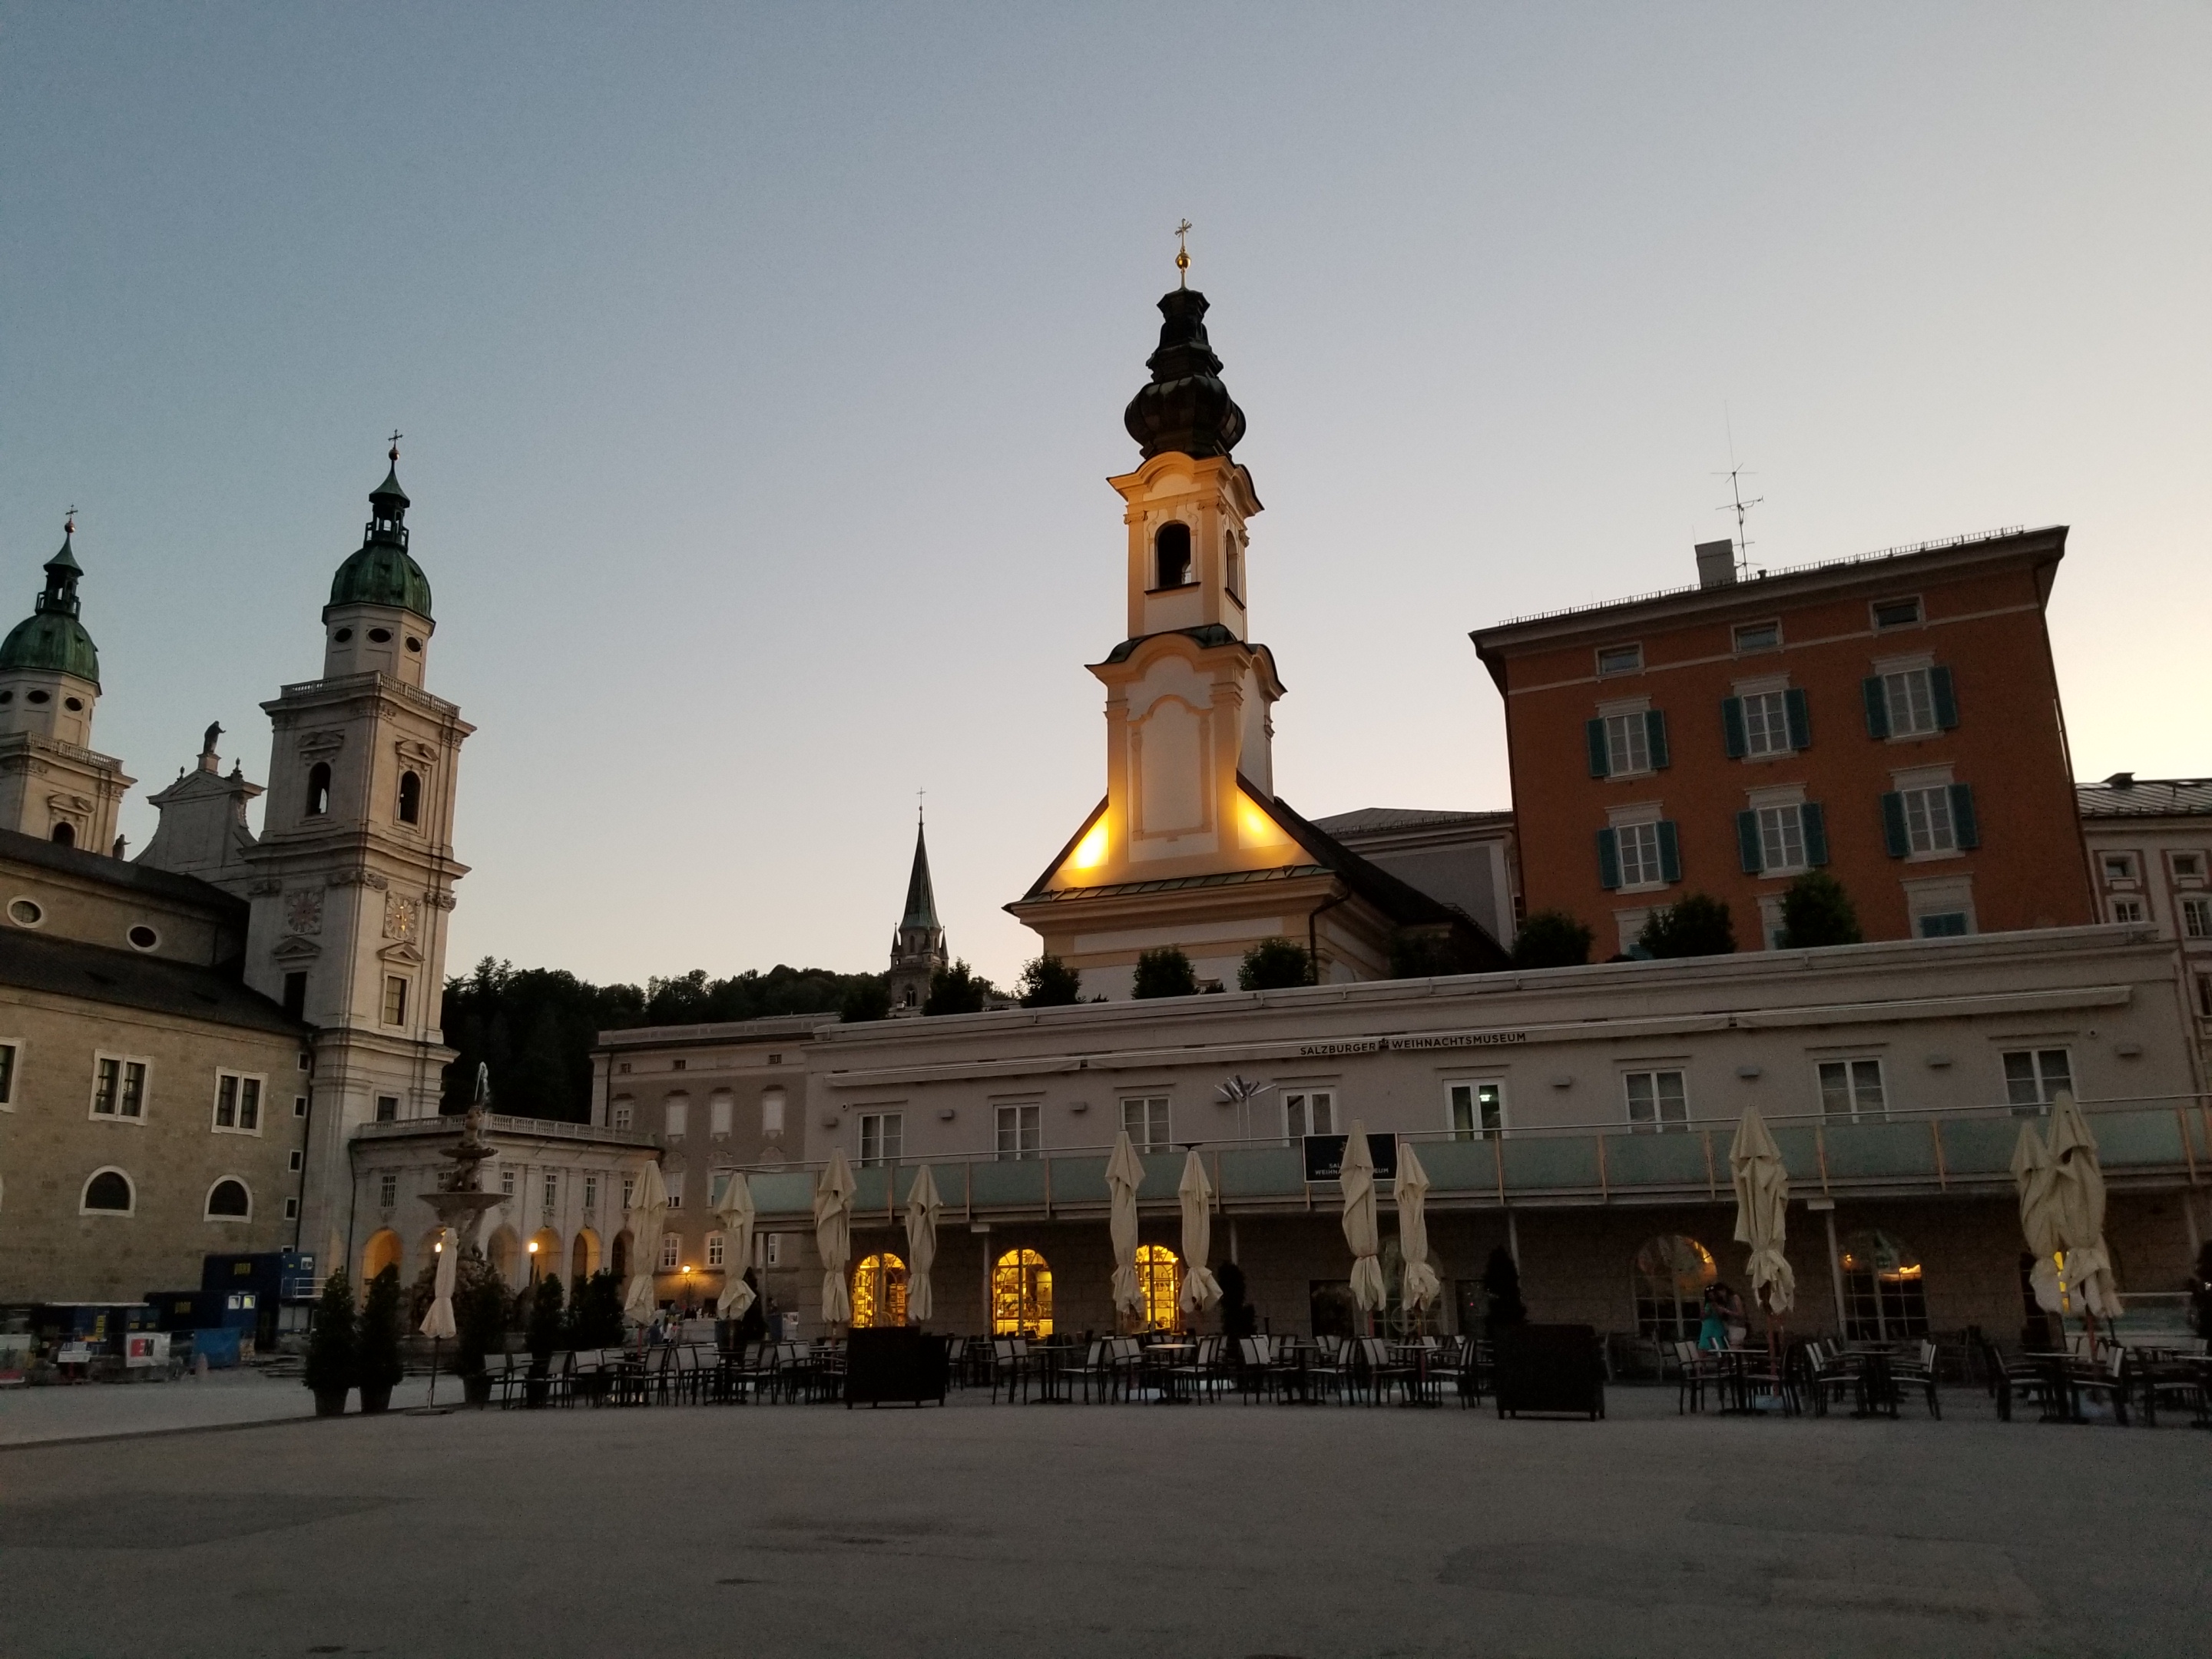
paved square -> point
(1216, 1530)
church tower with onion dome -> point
(52, 785)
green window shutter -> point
(1892, 825)
(1964, 825)
(1940, 692)
(1671, 852)
(1746, 842)
(1732, 726)
(1608, 859)
(1816, 833)
(1877, 707)
(1654, 733)
(1594, 731)
(1800, 712)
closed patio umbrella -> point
(1420, 1285)
(1125, 1173)
(2078, 1184)
(1357, 1177)
(2035, 1177)
(736, 1215)
(438, 1323)
(1200, 1291)
(833, 1235)
(647, 1207)
(922, 1207)
(1762, 1211)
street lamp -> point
(687, 1290)
(534, 1262)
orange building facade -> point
(1893, 720)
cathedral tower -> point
(918, 948)
(352, 879)
(52, 784)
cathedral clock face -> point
(303, 910)
(399, 917)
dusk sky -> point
(761, 370)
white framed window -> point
(109, 1191)
(671, 1252)
(299, 1105)
(1627, 745)
(1851, 1090)
(591, 1191)
(630, 1191)
(552, 1189)
(2033, 1077)
(772, 1250)
(1620, 660)
(228, 1200)
(507, 1182)
(1657, 1100)
(296, 1162)
(772, 1112)
(387, 1190)
(2204, 996)
(1895, 613)
(622, 1112)
(1475, 1110)
(675, 1189)
(119, 1087)
(1308, 1112)
(676, 1116)
(719, 1111)
(1909, 698)
(291, 1209)
(2186, 866)
(238, 1104)
(11, 1056)
(1928, 825)
(1021, 1133)
(1766, 724)
(1782, 840)
(2118, 866)
(1641, 865)
(1758, 636)
(387, 1109)
(883, 1137)
(395, 1000)
(717, 1250)
(2196, 918)
(2128, 910)
(1145, 1118)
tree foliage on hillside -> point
(536, 1027)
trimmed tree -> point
(379, 1368)
(1817, 911)
(1695, 926)
(479, 1312)
(596, 1314)
(331, 1345)
(1239, 1319)
(1165, 972)
(1552, 939)
(1048, 982)
(1274, 964)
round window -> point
(39, 697)
(380, 636)
(6, 697)
(75, 705)
(414, 644)
(343, 635)
(144, 938)
(26, 913)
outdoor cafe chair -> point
(2037, 1377)
(1690, 1371)
(1919, 1372)
(509, 1380)
(1094, 1372)
(1009, 1367)
(1380, 1371)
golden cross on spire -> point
(397, 434)
(1183, 254)
(69, 522)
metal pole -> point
(1836, 1270)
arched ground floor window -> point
(1159, 1276)
(1021, 1295)
(584, 1254)
(382, 1251)
(544, 1255)
(879, 1291)
(1884, 1295)
(1671, 1275)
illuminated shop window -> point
(1021, 1295)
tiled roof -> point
(1177, 884)
(1370, 819)
(2123, 795)
(124, 979)
(116, 873)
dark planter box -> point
(375, 1399)
(900, 1363)
(331, 1402)
(475, 1388)
(1550, 1368)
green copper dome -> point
(52, 637)
(382, 573)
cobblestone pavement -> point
(1208, 1530)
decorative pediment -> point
(403, 953)
(414, 752)
(295, 949)
(315, 745)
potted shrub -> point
(331, 1349)
(379, 1369)
(545, 1330)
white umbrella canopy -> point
(1125, 1173)
(923, 1206)
(1421, 1286)
(736, 1215)
(647, 1208)
(2078, 1187)
(439, 1321)
(1762, 1211)
(2036, 1178)
(1357, 1177)
(1201, 1290)
(833, 1235)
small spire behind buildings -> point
(921, 896)
(918, 948)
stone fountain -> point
(459, 1198)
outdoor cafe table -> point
(1874, 1387)
(1421, 1379)
(1161, 1360)
(1048, 1370)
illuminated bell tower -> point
(52, 784)
(352, 879)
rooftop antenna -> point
(1183, 254)
(1736, 474)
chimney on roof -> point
(1717, 564)
(2121, 781)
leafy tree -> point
(1165, 972)
(1273, 964)
(1432, 953)
(330, 1343)
(1697, 925)
(957, 990)
(379, 1363)
(595, 1311)
(1048, 982)
(1816, 911)
(1552, 939)
(868, 998)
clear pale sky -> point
(761, 371)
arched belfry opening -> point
(1172, 555)
(318, 789)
